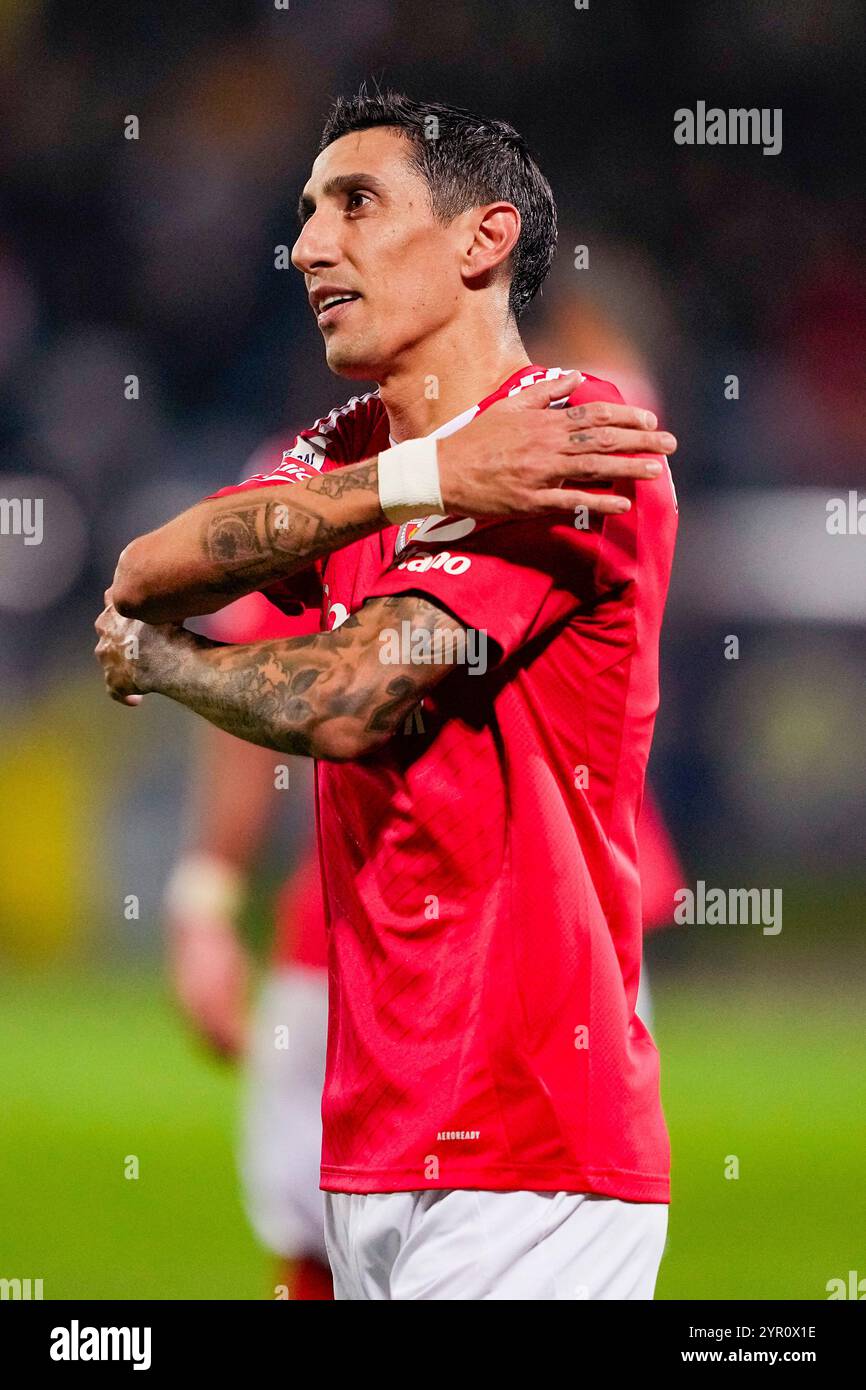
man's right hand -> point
(514, 457)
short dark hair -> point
(468, 162)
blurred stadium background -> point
(154, 258)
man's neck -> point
(440, 379)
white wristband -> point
(409, 481)
(203, 885)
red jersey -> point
(480, 871)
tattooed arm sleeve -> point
(229, 546)
(335, 695)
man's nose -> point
(315, 247)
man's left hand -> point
(129, 652)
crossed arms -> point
(331, 695)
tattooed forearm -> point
(362, 477)
(226, 547)
(328, 695)
(402, 691)
(261, 537)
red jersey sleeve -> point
(341, 437)
(274, 466)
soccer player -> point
(480, 709)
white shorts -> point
(463, 1244)
(281, 1125)
(643, 1005)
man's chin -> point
(350, 360)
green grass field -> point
(97, 1068)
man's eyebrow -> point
(339, 183)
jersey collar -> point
(523, 377)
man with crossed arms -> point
(491, 1119)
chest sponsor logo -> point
(451, 564)
(437, 529)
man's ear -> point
(493, 232)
